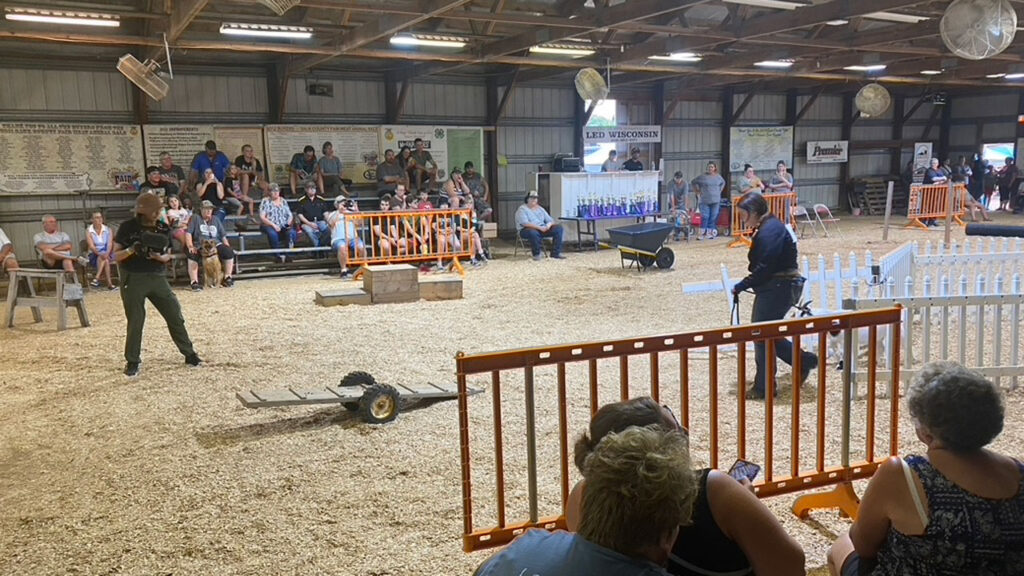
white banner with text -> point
(828, 152)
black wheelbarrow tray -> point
(643, 244)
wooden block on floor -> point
(343, 297)
(490, 229)
(392, 283)
(441, 288)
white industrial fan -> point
(872, 100)
(280, 6)
(978, 29)
(590, 85)
(146, 75)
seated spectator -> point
(8, 261)
(99, 238)
(211, 190)
(344, 238)
(455, 189)
(250, 176)
(171, 175)
(959, 509)
(423, 167)
(310, 213)
(423, 201)
(302, 168)
(232, 191)
(276, 218)
(402, 196)
(474, 227)
(732, 531)
(154, 182)
(447, 231)
(177, 219)
(54, 247)
(381, 229)
(476, 183)
(206, 227)
(633, 164)
(390, 174)
(973, 205)
(749, 182)
(534, 223)
(328, 172)
(640, 490)
(209, 159)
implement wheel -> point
(645, 260)
(379, 404)
(358, 378)
(665, 258)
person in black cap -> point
(140, 248)
(153, 182)
(209, 159)
(633, 164)
(775, 280)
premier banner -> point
(622, 134)
(828, 152)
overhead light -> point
(896, 17)
(266, 30)
(428, 40)
(1014, 76)
(774, 63)
(778, 4)
(71, 17)
(1000, 75)
(838, 22)
(561, 50)
(865, 68)
(931, 72)
(679, 57)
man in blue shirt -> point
(640, 489)
(209, 158)
(534, 223)
(302, 168)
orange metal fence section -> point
(781, 205)
(412, 236)
(576, 365)
(929, 202)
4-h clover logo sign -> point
(439, 133)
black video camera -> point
(151, 243)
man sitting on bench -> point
(8, 261)
(54, 247)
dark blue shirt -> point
(773, 251)
(542, 553)
(219, 164)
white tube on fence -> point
(979, 334)
(805, 267)
(727, 285)
(822, 282)
(962, 344)
(997, 318)
(944, 291)
(838, 262)
(926, 320)
(908, 323)
(1015, 330)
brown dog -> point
(213, 274)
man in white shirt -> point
(8, 261)
(54, 247)
(611, 164)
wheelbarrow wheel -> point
(379, 404)
(351, 406)
(358, 378)
(645, 260)
(665, 258)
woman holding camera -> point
(775, 280)
(142, 255)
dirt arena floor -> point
(168, 474)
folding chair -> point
(522, 243)
(803, 218)
(821, 210)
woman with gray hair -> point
(959, 509)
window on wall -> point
(997, 153)
(595, 153)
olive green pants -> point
(136, 288)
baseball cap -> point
(147, 202)
(339, 200)
(532, 194)
(152, 169)
(206, 204)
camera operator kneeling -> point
(140, 249)
(775, 280)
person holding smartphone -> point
(731, 532)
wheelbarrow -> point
(643, 244)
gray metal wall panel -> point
(871, 132)
(64, 95)
(962, 135)
(999, 131)
(354, 101)
(530, 102)
(873, 164)
(431, 101)
(987, 105)
(194, 96)
(916, 132)
(688, 110)
(824, 108)
(526, 148)
(769, 108)
(923, 112)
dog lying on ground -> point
(213, 274)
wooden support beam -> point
(913, 110)
(742, 108)
(496, 7)
(658, 118)
(505, 96)
(181, 16)
(390, 98)
(590, 112)
(807, 105)
(491, 143)
(727, 119)
(895, 155)
(846, 133)
(403, 92)
(790, 108)
(945, 127)
(277, 88)
(579, 121)
(936, 112)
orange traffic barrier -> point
(781, 205)
(413, 236)
(536, 486)
(930, 203)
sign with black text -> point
(622, 134)
(828, 152)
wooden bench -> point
(66, 294)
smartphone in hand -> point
(744, 469)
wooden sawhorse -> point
(67, 294)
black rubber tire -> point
(645, 261)
(351, 406)
(379, 404)
(357, 378)
(994, 230)
(665, 258)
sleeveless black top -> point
(701, 549)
